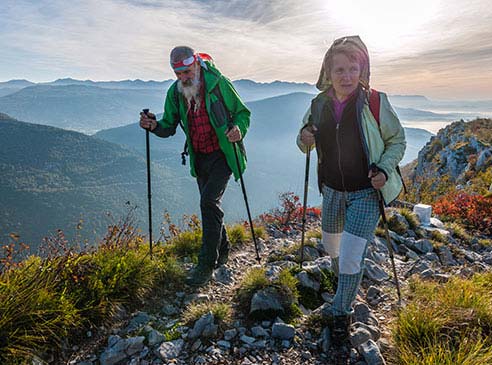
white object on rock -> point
(424, 212)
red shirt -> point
(202, 134)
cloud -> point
(260, 40)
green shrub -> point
(310, 298)
(447, 323)
(315, 322)
(260, 232)
(45, 301)
(34, 316)
(395, 225)
(172, 333)
(485, 242)
(380, 231)
(221, 311)
(411, 218)
(254, 280)
(237, 234)
(285, 286)
(313, 234)
(438, 236)
(459, 231)
(185, 244)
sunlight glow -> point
(384, 24)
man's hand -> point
(307, 135)
(148, 121)
(233, 134)
(378, 179)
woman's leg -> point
(332, 220)
(361, 217)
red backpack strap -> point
(374, 104)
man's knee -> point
(208, 205)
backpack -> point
(374, 106)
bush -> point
(310, 298)
(285, 285)
(395, 224)
(473, 211)
(34, 315)
(446, 323)
(43, 302)
(290, 212)
(237, 234)
(458, 231)
(185, 244)
(313, 234)
(221, 312)
(411, 218)
(254, 280)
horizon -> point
(423, 47)
(258, 82)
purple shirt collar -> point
(338, 106)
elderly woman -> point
(351, 140)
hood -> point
(324, 81)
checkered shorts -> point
(356, 212)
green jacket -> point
(235, 111)
(384, 143)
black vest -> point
(342, 160)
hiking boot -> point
(199, 276)
(222, 260)
(340, 330)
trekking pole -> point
(304, 205)
(375, 170)
(149, 189)
(245, 198)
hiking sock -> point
(335, 265)
(348, 286)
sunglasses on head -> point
(184, 64)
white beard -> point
(191, 92)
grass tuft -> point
(447, 323)
(184, 244)
(45, 302)
(237, 234)
(411, 218)
(459, 231)
(438, 236)
(285, 286)
(221, 311)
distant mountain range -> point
(51, 178)
(90, 106)
(468, 108)
(275, 164)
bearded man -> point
(213, 118)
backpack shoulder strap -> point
(374, 104)
(176, 102)
(317, 106)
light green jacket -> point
(385, 143)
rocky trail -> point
(139, 338)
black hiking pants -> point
(213, 174)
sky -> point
(440, 49)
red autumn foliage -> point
(474, 211)
(289, 212)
